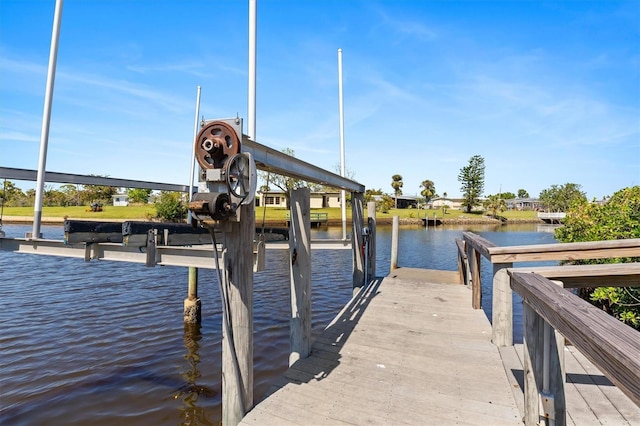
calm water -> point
(104, 342)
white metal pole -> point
(343, 194)
(46, 119)
(195, 134)
(251, 116)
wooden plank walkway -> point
(408, 350)
(591, 398)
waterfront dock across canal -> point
(409, 349)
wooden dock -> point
(408, 350)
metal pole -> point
(46, 119)
(251, 115)
(193, 154)
(343, 194)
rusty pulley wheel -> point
(215, 143)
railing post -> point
(502, 306)
(371, 223)
(473, 257)
(300, 273)
(543, 378)
(357, 200)
(394, 243)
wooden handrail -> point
(610, 345)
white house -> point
(120, 200)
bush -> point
(170, 208)
(618, 218)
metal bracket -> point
(152, 234)
(547, 406)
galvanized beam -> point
(200, 256)
(53, 177)
(278, 162)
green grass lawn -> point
(144, 212)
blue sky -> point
(548, 92)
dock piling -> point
(192, 304)
(394, 242)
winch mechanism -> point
(227, 176)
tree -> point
(384, 204)
(559, 198)
(523, 193)
(507, 195)
(618, 218)
(284, 183)
(471, 177)
(71, 194)
(369, 194)
(169, 207)
(495, 203)
(104, 193)
(428, 191)
(396, 184)
(10, 194)
(139, 195)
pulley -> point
(216, 142)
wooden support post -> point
(502, 306)
(394, 243)
(192, 312)
(371, 223)
(300, 273)
(474, 259)
(237, 398)
(541, 403)
(357, 201)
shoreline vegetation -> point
(271, 216)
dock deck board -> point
(409, 350)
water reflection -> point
(191, 414)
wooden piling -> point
(237, 398)
(357, 200)
(300, 274)
(371, 224)
(192, 312)
(394, 242)
(502, 306)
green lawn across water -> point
(145, 212)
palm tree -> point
(396, 184)
(495, 203)
(429, 190)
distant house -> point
(523, 204)
(121, 200)
(408, 201)
(317, 200)
(451, 203)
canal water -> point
(104, 343)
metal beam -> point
(53, 177)
(278, 162)
(200, 256)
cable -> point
(223, 286)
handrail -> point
(610, 345)
(504, 257)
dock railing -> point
(551, 314)
(610, 345)
(502, 258)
